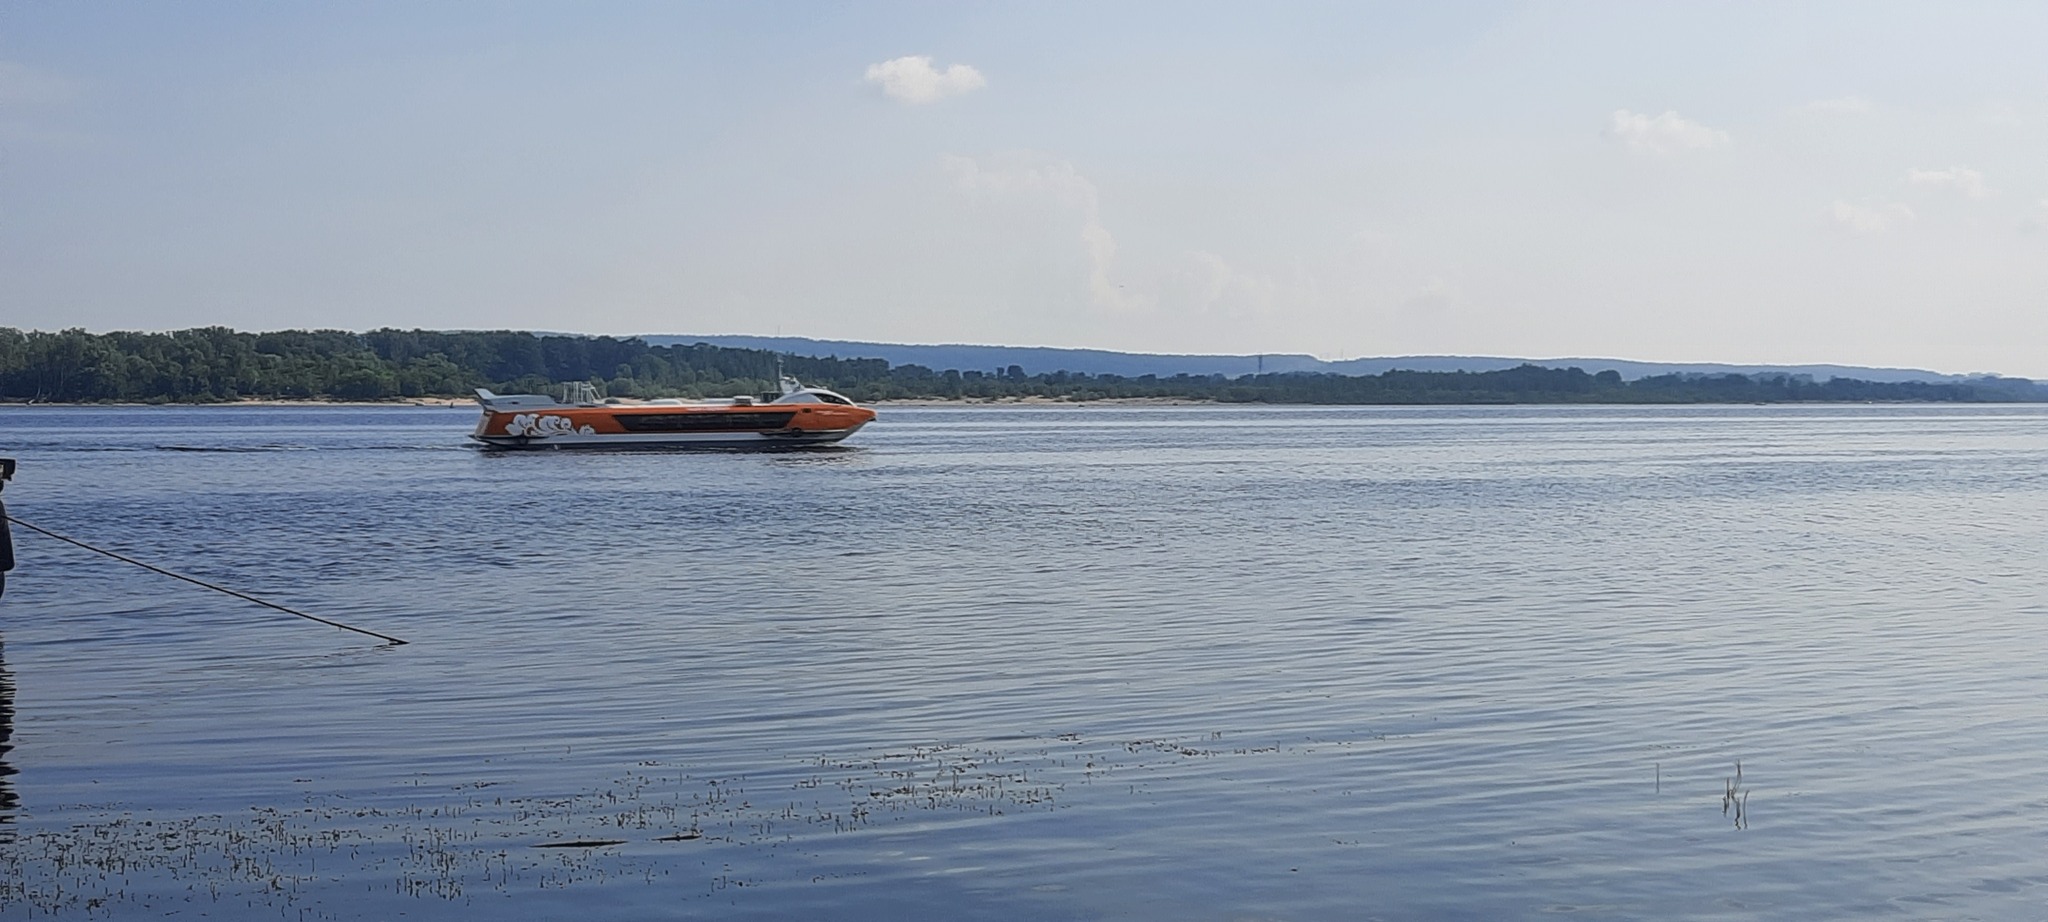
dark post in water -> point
(6, 526)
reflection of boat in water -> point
(799, 416)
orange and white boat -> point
(800, 416)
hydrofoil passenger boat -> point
(799, 416)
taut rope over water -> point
(197, 582)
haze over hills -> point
(1042, 359)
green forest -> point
(216, 364)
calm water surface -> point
(1044, 663)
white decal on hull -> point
(541, 426)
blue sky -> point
(1856, 182)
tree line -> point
(217, 364)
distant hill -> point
(1043, 360)
(1033, 359)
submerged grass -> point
(471, 844)
(654, 824)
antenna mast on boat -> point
(784, 384)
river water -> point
(1036, 663)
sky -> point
(1860, 183)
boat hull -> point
(756, 441)
(523, 423)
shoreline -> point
(460, 402)
(428, 402)
(1040, 402)
(447, 403)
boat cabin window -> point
(830, 397)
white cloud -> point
(1433, 297)
(1664, 134)
(1845, 105)
(1022, 173)
(913, 79)
(1031, 177)
(1873, 218)
(1961, 180)
(1998, 114)
(1204, 285)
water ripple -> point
(1203, 662)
